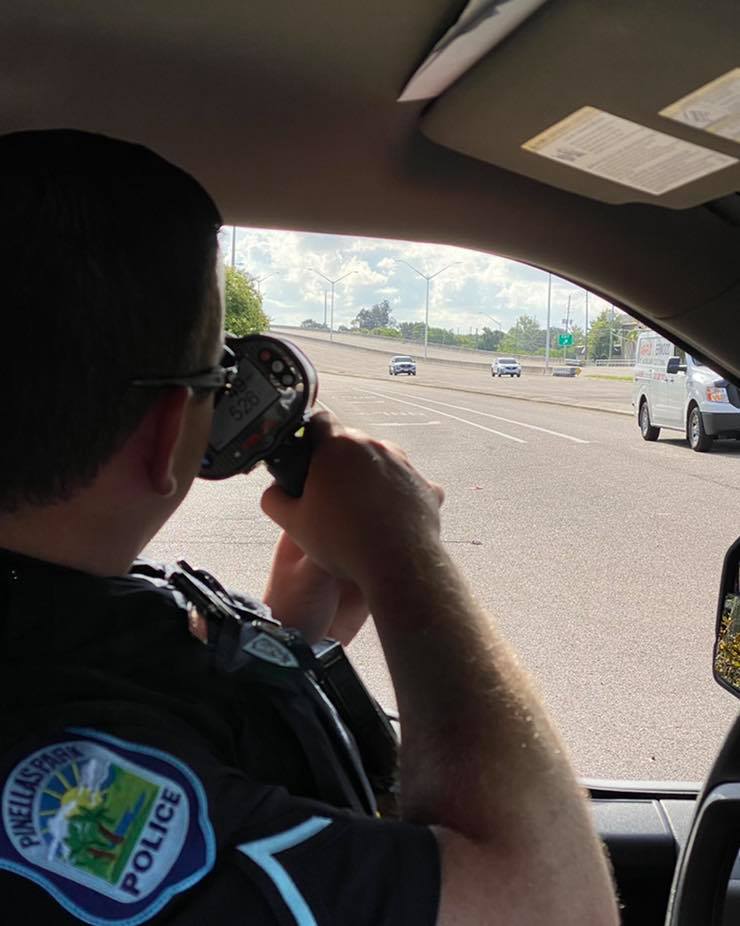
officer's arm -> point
(482, 764)
(480, 761)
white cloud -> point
(473, 288)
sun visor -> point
(614, 107)
(479, 28)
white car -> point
(506, 366)
(402, 364)
(676, 391)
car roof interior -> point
(289, 114)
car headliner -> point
(288, 114)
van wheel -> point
(697, 437)
(648, 431)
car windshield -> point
(597, 552)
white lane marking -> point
(400, 424)
(473, 424)
(326, 408)
(521, 424)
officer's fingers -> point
(323, 425)
(278, 506)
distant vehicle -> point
(402, 364)
(506, 366)
(677, 391)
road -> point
(583, 391)
(598, 556)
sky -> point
(476, 290)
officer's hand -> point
(365, 510)
(304, 596)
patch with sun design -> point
(111, 829)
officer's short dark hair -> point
(107, 274)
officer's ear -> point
(167, 425)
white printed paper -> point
(714, 108)
(625, 152)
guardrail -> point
(614, 363)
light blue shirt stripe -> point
(263, 851)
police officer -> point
(147, 777)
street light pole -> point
(260, 280)
(332, 282)
(585, 335)
(496, 322)
(428, 277)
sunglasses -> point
(218, 379)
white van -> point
(675, 390)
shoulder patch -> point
(111, 829)
(271, 650)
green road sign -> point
(565, 340)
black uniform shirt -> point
(139, 784)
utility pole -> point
(611, 335)
(566, 322)
(428, 278)
(547, 339)
(233, 246)
(585, 334)
(333, 283)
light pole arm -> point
(424, 276)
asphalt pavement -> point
(597, 555)
(580, 391)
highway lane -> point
(596, 553)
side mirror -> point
(726, 663)
(674, 365)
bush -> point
(244, 313)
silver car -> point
(506, 366)
(402, 364)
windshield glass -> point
(597, 552)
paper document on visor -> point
(713, 108)
(625, 152)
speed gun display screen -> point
(251, 395)
(262, 412)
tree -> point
(412, 331)
(526, 337)
(312, 325)
(490, 340)
(379, 316)
(244, 313)
(598, 336)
